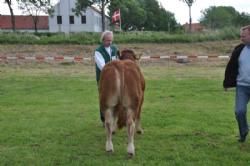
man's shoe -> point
(243, 137)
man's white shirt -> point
(99, 60)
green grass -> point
(49, 116)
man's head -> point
(245, 34)
(107, 38)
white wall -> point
(64, 9)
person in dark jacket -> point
(105, 53)
(237, 74)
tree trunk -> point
(190, 20)
(35, 21)
(36, 27)
(12, 16)
(103, 15)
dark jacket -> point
(231, 71)
(106, 57)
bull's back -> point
(121, 87)
(121, 79)
(109, 84)
(133, 84)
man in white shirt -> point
(105, 53)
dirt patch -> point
(57, 52)
(149, 49)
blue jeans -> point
(241, 101)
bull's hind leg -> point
(114, 126)
(138, 127)
(108, 127)
(131, 131)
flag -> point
(116, 16)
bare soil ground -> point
(216, 48)
(149, 49)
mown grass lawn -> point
(49, 115)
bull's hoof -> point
(130, 155)
(109, 151)
(140, 131)
(131, 150)
(109, 147)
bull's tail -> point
(122, 116)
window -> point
(83, 19)
(59, 19)
(71, 19)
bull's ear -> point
(138, 55)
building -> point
(195, 27)
(24, 23)
(64, 19)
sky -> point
(177, 7)
(181, 10)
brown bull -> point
(121, 94)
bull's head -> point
(128, 54)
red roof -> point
(196, 27)
(23, 22)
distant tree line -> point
(135, 14)
(146, 15)
(30, 7)
(223, 16)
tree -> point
(243, 19)
(9, 3)
(132, 15)
(81, 5)
(189, 3)
(157, 18)
(166, 21)
(34, 8)
(216, 17)
(153, 12)
(144, 14)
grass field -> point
(49, 116)
(89, 38)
